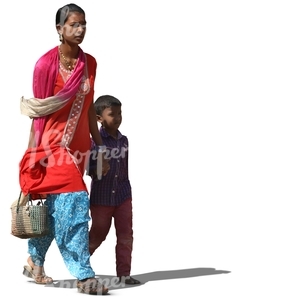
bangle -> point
(101, 148)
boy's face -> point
(111, 117)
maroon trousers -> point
(101, 222)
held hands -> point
(102, 165)
(105, 165)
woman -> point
(53, 166)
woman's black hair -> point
(63, 13)
(105, 101)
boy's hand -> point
(106, 166)
(102, 165)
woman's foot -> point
(36, 272)
(91, 286)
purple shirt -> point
(113, 188)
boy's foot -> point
(91, 286)
(128, 280)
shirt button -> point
(113, 192)
(116, 175)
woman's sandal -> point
(39, 276)
(91, 286)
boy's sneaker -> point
(128, 280)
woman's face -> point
(74, 28)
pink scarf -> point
(44, 78)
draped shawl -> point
(44, 102)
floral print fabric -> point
(68, 222)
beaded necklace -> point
(68, 64)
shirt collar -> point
(105, 134)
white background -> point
(210, 93)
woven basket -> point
(29, 221)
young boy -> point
(110, 197)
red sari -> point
(57, 165)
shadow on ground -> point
(112, 281)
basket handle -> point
(40, 201)
(19, 199)
(18, 204)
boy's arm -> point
(93, 126)
(97, 137)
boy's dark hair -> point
(63, 13)
(105, 101)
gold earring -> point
(60, 37)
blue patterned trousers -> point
(68, 221)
